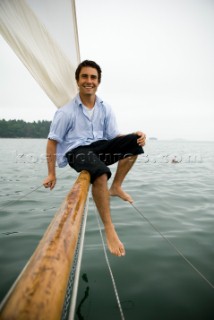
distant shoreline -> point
(19, 129)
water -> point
(153, 281)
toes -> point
(122, 251)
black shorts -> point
(96, 157)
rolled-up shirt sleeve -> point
(59, 126)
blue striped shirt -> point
(72, 127)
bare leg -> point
(123, 168)
(101, 198)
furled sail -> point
(43, 34)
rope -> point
(174, 247)
(78, 265)
(74, 275)
(110, 271)
(24, 196)
(20, 198)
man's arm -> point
(50, 181)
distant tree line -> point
(22, 129)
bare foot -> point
(114, 244)
(118, 192)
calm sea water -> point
(172, 185)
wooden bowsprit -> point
(39, 291)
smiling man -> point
(84, 134)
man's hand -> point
(142, 138)
(50, 182)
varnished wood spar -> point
(40, 290)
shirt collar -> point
(79, 102)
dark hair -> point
(88, 63)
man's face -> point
(88, 81)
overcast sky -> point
(157, 62)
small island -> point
(153, 138)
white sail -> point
(46, 46)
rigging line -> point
(25, 195)
(174, 247)
(78, 265)
(110, 271)
(20, 198)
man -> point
(84, 134)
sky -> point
(157, 67)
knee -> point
(100, 174)
(100, 180)
(133, 137)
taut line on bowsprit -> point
(109, 267)
(173, 246)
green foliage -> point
(22, 129)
